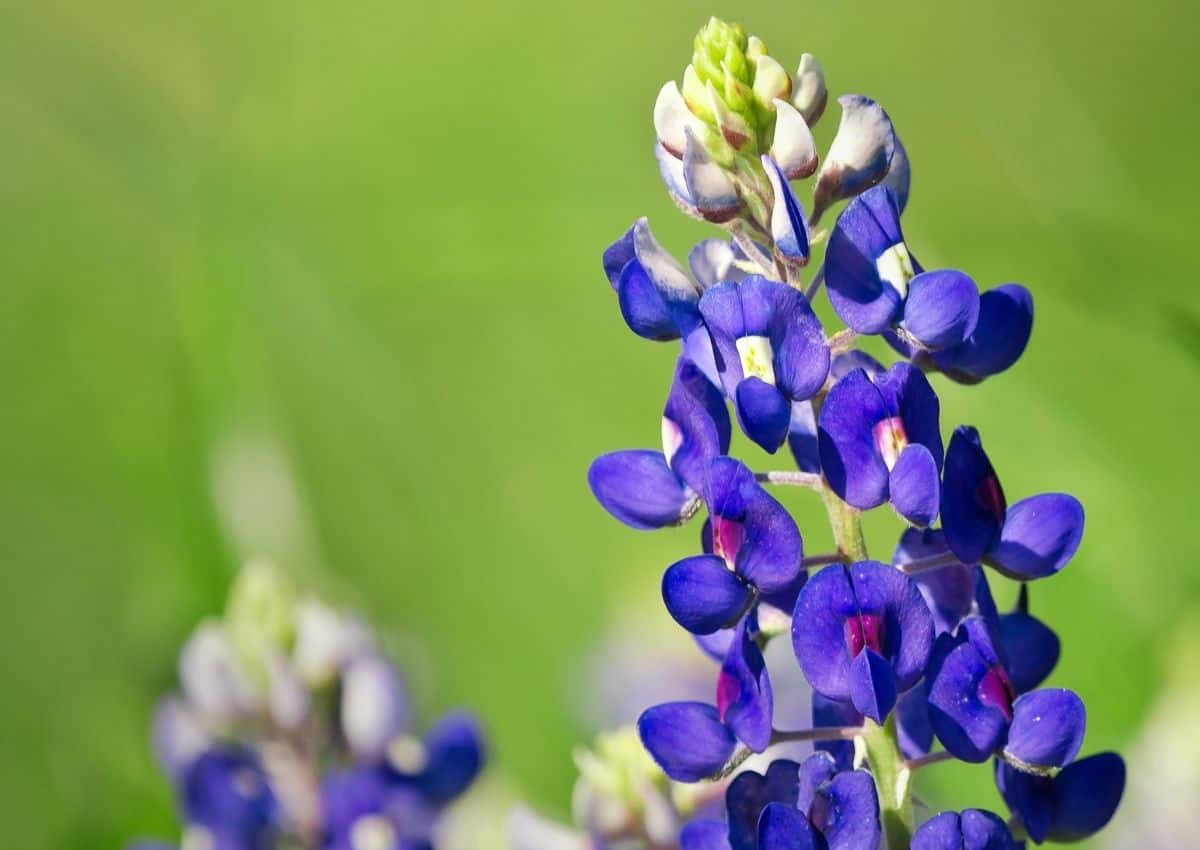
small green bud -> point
(259, 613)
(695, 95)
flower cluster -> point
(291, 730)
(899, 654)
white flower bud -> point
(374, 708)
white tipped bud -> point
(859, 156)
(809, 94)
(326, 640)
(793, 149)
(710, 188)
(771, 81)
(213, 678)
(374, 707)
(732, 126)
(176, 735)
(672, 118)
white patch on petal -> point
(895, 267)
(372, 832)
(672, 438)
(407, 754)
(809, 94)
(671, 118)
(793, 149)
(197, 838)
(662, 268)
(891, 439)
(758, 358)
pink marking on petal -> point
(996, 690)
(727, 537)
(890, 439)
(863, 631)
(672, 439)
(727, 691)
(991, 498)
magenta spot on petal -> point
(991, 498)
(863, 631)
(727, 537)
(727, 691)
(996, 690)
(890, 439)
(821, 811)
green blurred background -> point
(325, 278)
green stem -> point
(892, 776)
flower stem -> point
(794, 479)
(892, 776)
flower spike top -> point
(910, 662)
(293, 730)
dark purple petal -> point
(1039, 537)
(913, 728)
(657, 299)
(942, 308)
(454, 754)
(886, 592)
(1029, 797)
(749, 793)
(973, 504)
(782, 827)
(618, 254)
(846, 362)
(964, 710)
(1030, 649)
(1047, 729)
(1087, 794)
(802, 437)
(819, 629)
(974, 829)
(703, 595)
(715, 646)
(687, 739)
(638, 488)
(907, 392)
(227, 790)
(848, 815)
(744, 700)
(814, 775)
(872, 685)
(828, 712)
(915, 485)
(763, 412)
(850, 457)
(642, 305)
(866, 230)
(695, 426)
(949, 591)
(1001, 334)
(771, 548)
(705, 835)
(789, 228)
(801, 352)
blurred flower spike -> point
(909, 661)
(292, 729)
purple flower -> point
(754, 550)
(657, 298)
(687, 739)
(879, 441)
(876, 285)
(1070, 806)
(974, 829)
(648, 489)
(770, 351)
(1000, 336)
(862, 633)
(976, 712)
(1034, 538)
(226, 792)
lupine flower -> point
(976, 711)
(657, 298)
(879, 441)
(771, 351)
(1034, 538)
(1071, 805)
(292, 730)
(974, 829)
(862, 633)
(901, 655)
(648, 489)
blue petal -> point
(617, 255)
(802, 437)
(1047, 729)
(915, 485)
(913, 728)
(696, 425)
(1000, 337)
(642, 305)
(942, 308)
(705, 835)
(866, 229)
(872, 685)
(1087, 794)
(744, 699)
(973, 504)
(763, 412)
(967, 724)
(860, 154)
(899, 176)
(1030, 649)
(454, 756)
(974, 829)
(1040, 535)
(687, 739)
(788, 226)
(782, 827)
(848, 816)
(703, 595)
(712, 262)
(638, 488)
(227, 790)
(850, 458)
(749, 793)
